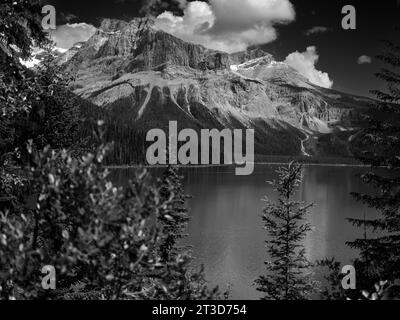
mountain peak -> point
(112, 25)
(139, 45)
(116, 25)
(249, 54)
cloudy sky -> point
(307, 34)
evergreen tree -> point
(379, 148)
(333, 289)
(20, 30)
(288, 273)
(34, 105)
(186, 282)
(20, 27)
(175, 218)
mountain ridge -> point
(144, 77)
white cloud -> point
(304, 63)
(65, 36)
(317, 29)
(228, 25)
(364, 60)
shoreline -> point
(119, 167)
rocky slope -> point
(143, 78)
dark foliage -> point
(288, 273)
(105, 242)
(58, 207)
(380, 149)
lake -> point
(226, 229)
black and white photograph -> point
(213, 150)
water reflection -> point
(226, 230)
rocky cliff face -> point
(140, 46)
(145, 77)
(251, 54)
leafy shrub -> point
(105, 242)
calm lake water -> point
(226, 229)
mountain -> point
(142, 77)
